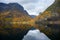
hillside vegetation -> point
(15, 22)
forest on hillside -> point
(15, 22)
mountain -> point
(49, 21)
(11, 6)
(33, 16)
(13, 21)
(52, 12)
(14, 10)
(54, 7)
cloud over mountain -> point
(33, 7)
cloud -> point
(35, 35)
(33, 7)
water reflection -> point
(35, 35)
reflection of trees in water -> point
(14, 33)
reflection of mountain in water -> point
(35, 35)
(11, 15)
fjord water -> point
(35, 35)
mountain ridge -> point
(14, 9)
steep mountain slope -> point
(14, 10)
(55, 7)
(52, 10)
(12, 21)
(49, 21)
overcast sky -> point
(33, 7)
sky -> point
(35, 35)
(33, 7)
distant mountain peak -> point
(33, 16)
(11, 6)
(16, 6)
(14, 10)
